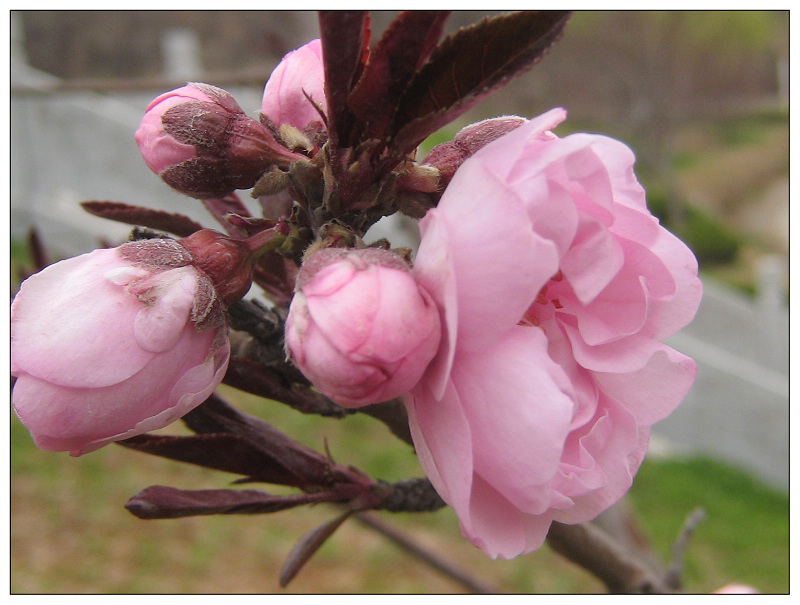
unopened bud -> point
(360, 327)
(295, 92)
(201, 143)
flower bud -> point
(448, 156)
(360, 328)
(293, 90)
(201, 143)
(117, 342)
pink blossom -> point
(556, 286)
(359, 327)
(106, 345)
(298, 77)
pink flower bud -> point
(359, 327)
(201, 143)
(298, 77)
(118, 342)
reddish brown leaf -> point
(220, 451)
(345, 46)
(220, 207)
(163, 502)
(146, 217)
(468, 65)
(276, 274)
(307, 546)
(401, 51)
(310, 467)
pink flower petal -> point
(160, 323)
(442, 438)
(433, 270)
(519, 404)
(69, 316)
(616, 447)
(492, 295)
(653, 392)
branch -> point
(430, 558)
(594, 550)
(674, 574)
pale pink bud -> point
(298, 78)
(359, 327)
(201, 143)
(117, 342)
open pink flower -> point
(556, 286)
(109, 344)
(298, 78)
(359, 327)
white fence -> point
(74, 147)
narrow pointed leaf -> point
(219, 451)
(312, 468)
(307, 546)
(163, 502)
(345, 46)
(146, 217)
(468, 65)
(220, 207)
(401, 51)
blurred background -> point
(701, 97)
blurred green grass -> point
(71, 534)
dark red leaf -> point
(220, 451)
(137, 215)
(307, 546)
(276, 274)
(345, 39)
(468, 65)
(220, 207)
(310, 467)
(401, 51)
(163, 502)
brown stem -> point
(412, 496)
(674, 575)
(393, 414)
(594, 550)
(428, 557)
